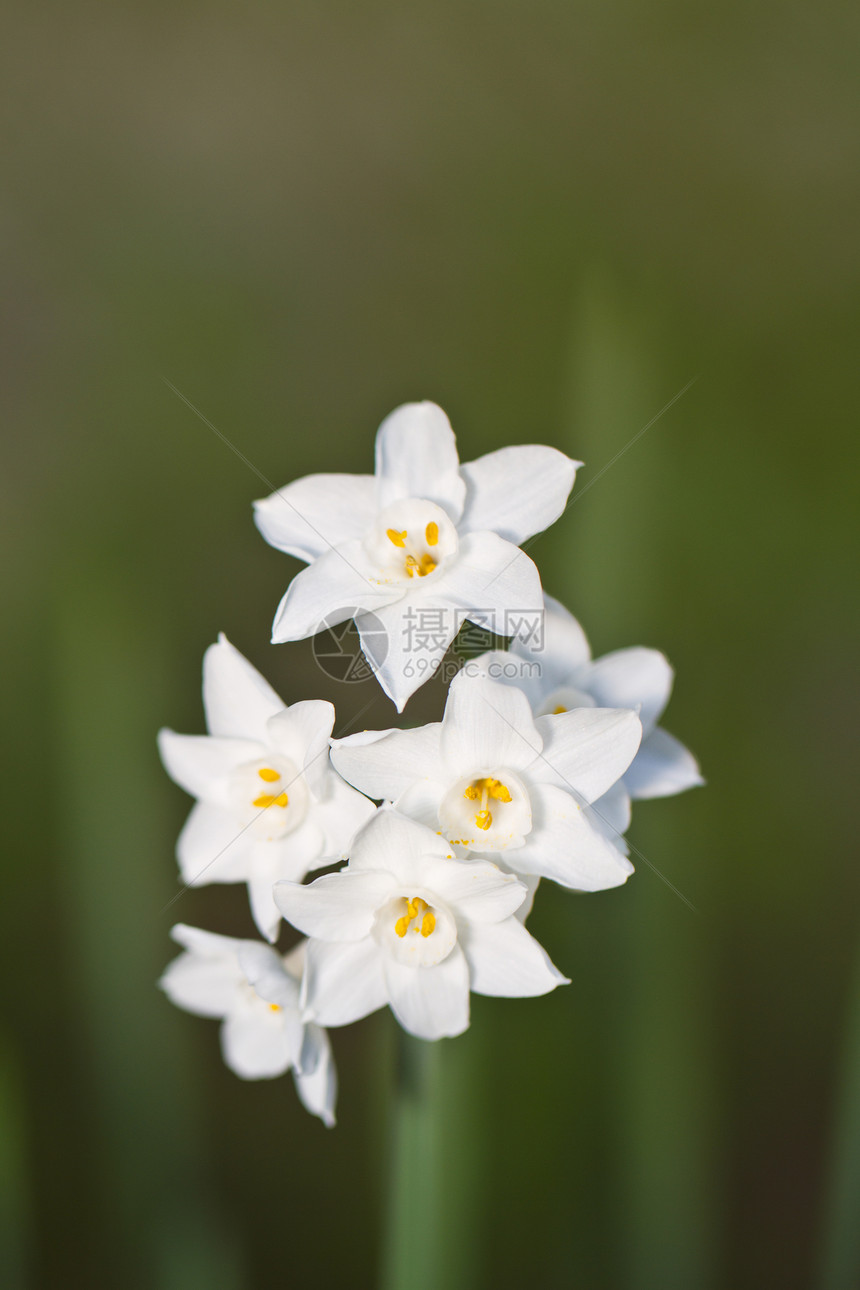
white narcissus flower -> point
(416, 550)
(498, 781)
(269, 804)
(558, 674)
(406, 924)
(256, 992)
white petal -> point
(263, 969)
(588, 749)
(475, 889)
(343, 981)
(204, 981)
(200, 763)
(384, 764)
(416, 456)
(213, 847)
(611, 814)
(421, 802)
(663, 766)
(336, 907)
(507, 668)
(505, 959)
(301, 733)
(565, 846)
(487, 725)
(398, 645)
(311, 515)
(317, 1086)
(337, 586)
(494, 584)
(343, 812)
(430, 1002)
(238, 702)
(631, 678)
(400, 846)
(264, 911)
(565, 642)
(253, 1046)
(518, 491)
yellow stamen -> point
(432, 533)
(414, 908)
(420, 568)
(472, 792)
(268, 774)
(275, 1007)
(399, 539)
(557, 711)
(266, 799)
(483, 819)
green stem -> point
(412, 1229)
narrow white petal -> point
(205, 983)
(588, 749)
(336, 587)
(336, 907)
(301, 733)
(416, 456)
(213, 847)
(343, 982)
(398, 845)
(527, 673)
(494, 584)
(430, 1002)
(237, 700)
(565, 846)
(663, 767)
(517, 491)
(340, 815)
(255, 1047)
(505, 959)
(404, 642)
(311, 515)
(385, 764)
(475, 889)
(200, 763)
(421, 802)
(263, 969)
(611, 814)
(317, 1086)
(630, 678)
(264, 911)
(487, 725)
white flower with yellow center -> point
(406, 924)
(496, 780)
(269, 805)
(256, 993)
(562, 675)
(413, 551)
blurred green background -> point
(548, 217)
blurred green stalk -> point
(840, 1264)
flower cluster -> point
(442, 832)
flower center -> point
(564, 699)
(415, 930)
(410, 540)
(270, 796)
(416, 908)
(487, 811)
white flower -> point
(256, 992)
(560, 674)
(269, 805)
(496, 780)
(406, 924)
(414, 551)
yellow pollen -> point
(483, 819)
(275, 1007)
(557, 711)
(432, 533)
(415, 907)
(420, 568)
(268, 774)
(267, 799)
(399, 539)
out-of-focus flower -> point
(256, 992)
